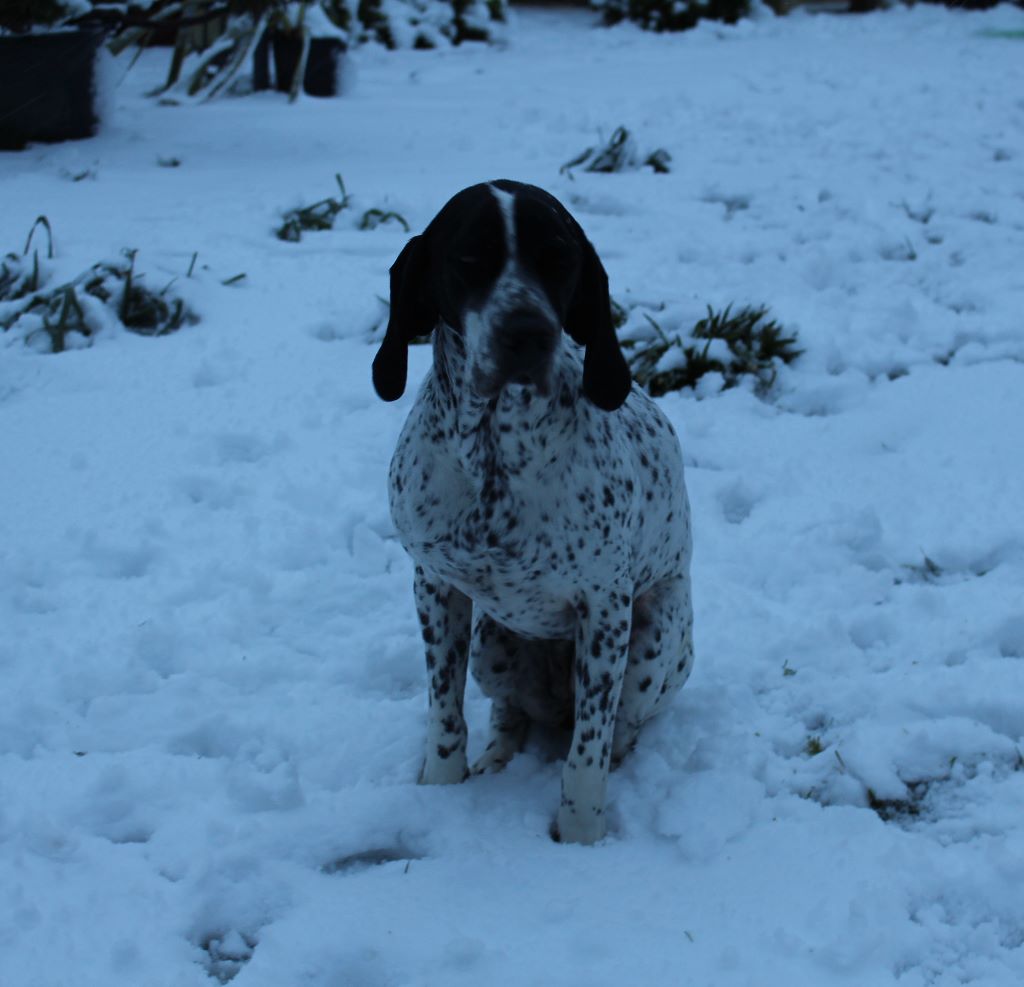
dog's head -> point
(507, 267)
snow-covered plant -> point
(140, 309)
(671, 15)
(216, 38)
(426, 23)
(75, 311)
(734, 346)
(619, 153)
(321, 216)
(53, 318)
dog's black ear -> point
(413, 313)
(606, 376)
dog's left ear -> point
(606, 376)
(414, 313)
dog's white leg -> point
(444, 615)
(660, 658)
(602, 651)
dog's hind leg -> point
(660, 658)
(527, 680)
(508, 729)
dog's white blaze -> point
(506, 202)
(513, 289)
(513, 286)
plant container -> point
(47, 87)
(321, 78)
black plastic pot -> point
(321, 78)
(47, 87)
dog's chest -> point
(529, 516)
(514, 554)
(503, 523)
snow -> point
(213, 704)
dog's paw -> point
(491, 762)
(450, 770)
(571, 827)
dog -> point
(539, 493)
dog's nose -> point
(524, 342)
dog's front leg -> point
(602, 653)
(444, 615)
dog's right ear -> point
(414, 312)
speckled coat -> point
(552, 545)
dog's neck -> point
(516, 437)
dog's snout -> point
(524, 342)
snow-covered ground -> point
(212, 699)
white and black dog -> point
(539, 493)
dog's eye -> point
(475, 262)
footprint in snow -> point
(209, 491)
(226, 953)
(115, 561)
(241, 447)
(737, 501)
(365, 859)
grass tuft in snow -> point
(19, 277)
(899, 810)
(322, 215)
(373, 218)
(927, 571)
(744, 344)
(619, 153)
(319, 216)
(902, 251)
(930, 572)
(919, 214)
